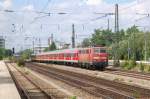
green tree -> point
(8, 52)
(2, 53)
(102, 37)
(53, 46)
(46, 49)
(132, 30)
(86, 42)
(131, 42)
(26, 54)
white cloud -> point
(80, 13)
(93, 2)
(29, 8)
(6, 3)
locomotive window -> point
(96, 50)
(102, 50)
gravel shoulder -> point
(101, 74)
(62, 87)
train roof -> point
(60, 51)
(73, 50)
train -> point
(91, 58)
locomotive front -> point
(100, 57)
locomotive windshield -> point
(99, 50)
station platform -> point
(8, 89)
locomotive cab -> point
(100, 57)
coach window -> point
(79, 51)
(73, 55)
(62, 55)
(65, 55)
(87, 51)
(82, 52)
(69, 55)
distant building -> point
(2, 42)
(39, 49)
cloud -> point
(80, 12)
(93, 2)
(6, 3)
(28, 7)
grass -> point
(73, 97)
(130, 81)
(136, 95)
(20, 62)
(27, 72)
(131, 65)
(128, 64)
(118, 79)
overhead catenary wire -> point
(44, 14)
(135, 3)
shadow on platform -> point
(5, 80)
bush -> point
(20, 62)
(141, 67)
(128, 65)
(148, 69)
(132, 64)
(1, 57)
(124, 64)
(12, 59)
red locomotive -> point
(92, 58)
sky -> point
(25, 24)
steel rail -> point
(32, 82)
(82, 81)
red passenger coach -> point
(93, 57)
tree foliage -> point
(5, 53)
(102, 37)
(51, 47)
(86, 42)
(26, 54)
(131, 42)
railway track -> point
(138, 75)
(25, 85)
(96, 86)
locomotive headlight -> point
(103, 58)
(96, 58)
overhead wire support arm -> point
(146, 15)
(104, 15)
